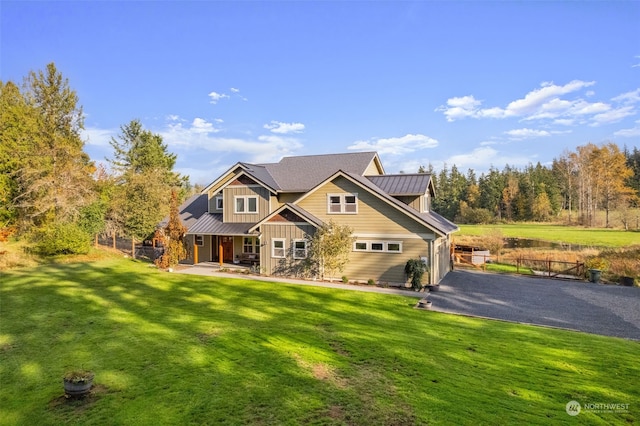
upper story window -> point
(246, 204)
(342, 203)
(219, 203)
(426, 203)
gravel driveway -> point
(593, 308)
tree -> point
(54, 173)
(330, 248)
(172, 237)
(17, 123)
(144, 180)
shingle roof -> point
(212, 224)
(299, 174)
(403, 184)
(191, 210)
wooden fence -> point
(547, 267)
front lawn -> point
(178, 349)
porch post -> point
(195, 251)
(220, 249)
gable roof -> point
(432, 220)
(301, 173)
(295, 209)
(403, 184)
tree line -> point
(577, 184)
(50, 190)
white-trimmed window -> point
(342, 203)
(219, 202)
(246, 204)
(299, 249)
(378, 246)
(277, 247)
(251, 245)
(199, 240)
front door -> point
(227, 249)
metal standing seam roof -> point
(402, 184)
(212, 224)
(190, 210)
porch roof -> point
(212, 224)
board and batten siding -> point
(231, 191)
(211, 194)
(290, 232)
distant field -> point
(178, 349)
(558, 233)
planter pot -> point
(434, 287)
(627, 281)
(77, 389)
(424, 304)
(77, 384)
(594, 275)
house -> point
(265, 214)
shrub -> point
(63, 238)
(370, 281)
(345, 279)
(415, 269)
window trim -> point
(343, 203)
(369, 246)
(274, 248)
(295, 249)
(246, 199)
(195, 240)
(219, 202)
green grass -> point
(178, 349)
(503, 268)
(559, 233)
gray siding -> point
(289, 231)
(231, 191)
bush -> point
(345, 279)
(64, 238)
(370, 281)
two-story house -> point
(266, 214)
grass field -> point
(178, 349)
(599, 237)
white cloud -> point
(215, 97)
(538, 97)
(636, 65)
(200, 125)
(395, 146)
(612, 116)
(481, 159)
(234, 90)
(284, 128)
(627, 133)
(98, 137)
(527, 133)
(629, 97)
(548, 103)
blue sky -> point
(473, 84)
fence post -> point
(548, 266)
(113, 239)
(133, 248)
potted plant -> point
(596, 265)
(77, 382)
(415, 269)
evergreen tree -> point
(53, 173)
(144, 178)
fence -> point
(541, 267)
(130, 247)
